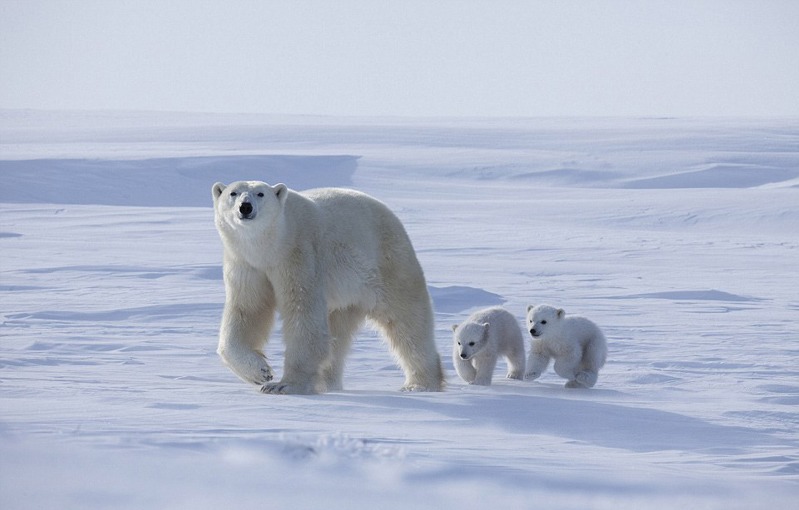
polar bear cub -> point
(577, 345)
(481, 339)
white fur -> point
(479, 341)
(576, 344)
(325, 260)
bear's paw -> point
(532, 376)
(419, 388)
(266, 375)
(283, 388)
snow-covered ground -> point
(679, 237)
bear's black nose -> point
(245, 208)
(533, 332)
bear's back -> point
(339, 204)
(351, 216)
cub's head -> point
(542, 318)
(470, 338)
(244, 203)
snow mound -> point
(719, 176)
(165, 182)
(458, 298)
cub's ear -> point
(485, 326)
(217, 189)
(561, 313)
(281, 192)
(530, 307)
(454, 327)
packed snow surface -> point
(679, 237)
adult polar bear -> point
(325, 259)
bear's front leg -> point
(246, 321)
(241, 342)
(306, 356)
(308, 344)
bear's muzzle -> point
(246, 211)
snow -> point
(677, 236)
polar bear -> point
(325, 260)
(481, 339)
(577, 345)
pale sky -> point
(408, 58)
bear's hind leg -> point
(516, 362)
(408, 327)
(343, 326)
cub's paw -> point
(419, 387)
(532, 376)
(516, 376)
(586, 379)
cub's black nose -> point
(245, 208)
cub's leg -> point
(463, 367)
(485, 369)
(593, 359)
(537, 362)
(567, 365)
(516, 363)
(586, 379)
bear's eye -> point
(459, 343)
(260, 195)
(471, 344)
(233, 193)
(543, 322)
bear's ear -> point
(485, 326)
(530, 307)
(281, 192)
(561, 313)
(454, 327)
(217, 189)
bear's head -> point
(247, 203)
(470, 338)
(543, 317)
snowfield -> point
(679, 237)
